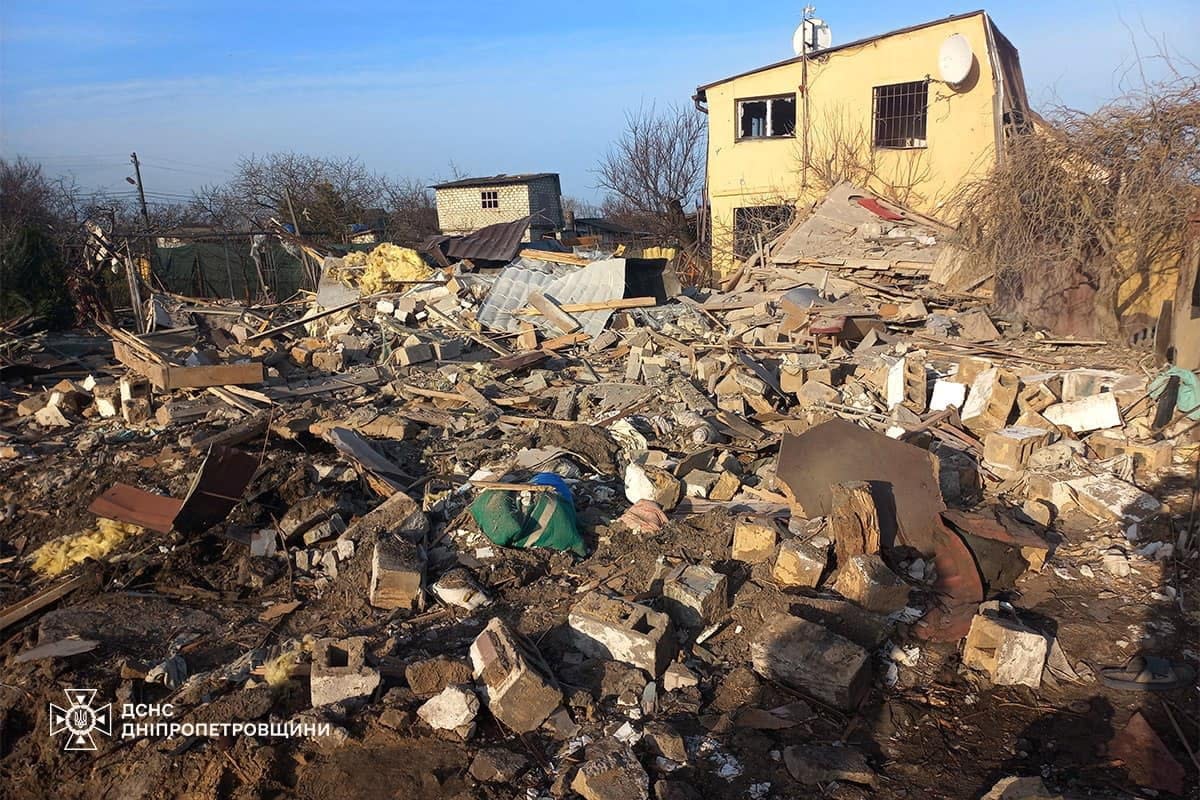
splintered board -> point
(170, 376)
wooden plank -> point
(212, 375)
(555, 258)
(244, 431)
(558, 343)
(602, 305)
(553, 312)
(31, 605)
(287, 326)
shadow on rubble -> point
(1097, 739)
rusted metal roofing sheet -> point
(499, 242)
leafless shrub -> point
(840, 148)
(1104, 196)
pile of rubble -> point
(553, 526)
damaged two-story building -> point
(878, 112)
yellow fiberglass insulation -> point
(388, 264)
(56, 557)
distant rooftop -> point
(495, 180)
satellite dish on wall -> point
(955, 59)
(811, 35)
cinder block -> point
(754, 539)
(397, 574)
(1080, 383)
(413, 354)
(990, 401)
(339, 671)
(106, 396)
(518, 687)
(611, 628)
(867, 581)
(1008, 449)
(809, 657)
(1035, 397)
(1009, 653)
(799, 564)
(695, 596)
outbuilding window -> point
(489, 198)
(766, 117)
(899, 114)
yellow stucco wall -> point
(960, 128)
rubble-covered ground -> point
(793, 515)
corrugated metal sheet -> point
(512, 288)
(598, 282)
(499, 242)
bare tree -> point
(654, 171)
(412, 211)
(327, 194)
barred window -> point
(489, 198)
(899, 114)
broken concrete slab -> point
(1109, 497)
(452, 709)
(615, 776)
(1092, 413)
(812, 764)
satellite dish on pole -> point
(812, 34)
(955, 59)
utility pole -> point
(137, 171)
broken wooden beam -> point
(550, 309)
(31, 605)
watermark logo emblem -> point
(80, 719)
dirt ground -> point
(940, 730)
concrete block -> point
(397, 574)
(906, 384)
(1107, 497)
(867, 581)
(799, 564)
(615, 629)
(812, 659)
(1035, 397)
(754, 539)
(517, 685)
(1086, 414)
(1009, 653)
(329, 360)
(947, 394)
(725, 488)
(1008, 449)
(695, 596)
(413, 354)
(990, 401)
(339, 671)
(1147, 456)
(107, 398)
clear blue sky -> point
(488, 86)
